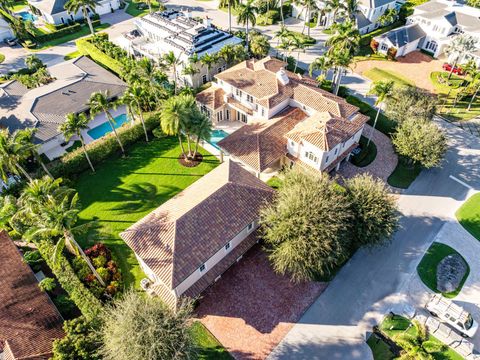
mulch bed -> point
(190, 162)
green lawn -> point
(380, 349)
(124, 190)
(404, 174)
(209, 346)
(367, 155)
(84, 31)
(376, 74)
(134, 11)
(2, 58)
(427, 269)
(469, 215)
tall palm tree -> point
(246, 16)
(172, 61)
(174, 118)
(341, 60)
(86, 6)
(418, 346)
(55, 210)
(388, 17)
(13, 151)
(458, 47)
(281, 34)
(208, 60)
(26, 137)
(299, 46)
(310, 6)
(322, 64)
(351, 7)
(345, 37)
(73, 125)
(202, 129)
(99, 102)
(191, 70)
(134, 97)
(335, 7)
(382, 90)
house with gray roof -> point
(431, 27)
(53, 11)
(44, 108)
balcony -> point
(237, 105)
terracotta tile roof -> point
(260, 144)
(325, 131)
(29, 322)
(184, 232)
(213, 97)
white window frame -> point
(228, 247)
(202, 268)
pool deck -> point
(228, 126)
(100, 119)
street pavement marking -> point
(460, 182)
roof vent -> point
(282, 77)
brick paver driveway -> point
(415, 66)
(250, 309)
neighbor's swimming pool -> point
(27, 16)
(105, 128)
(216, 136)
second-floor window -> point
(249, 98)
(263, 112)
(311, 156)
(204, 78)
(238, 92)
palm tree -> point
(246, 16)
(345, 37)
(86, 6)
(7, 5)
(99, 102)
(190, 70)
(172, 61)
(382, 90)
(208, 60)
(174, 118)
(351, 7)
(299, 46)
(134, 97)
(55, 210)
(227, 54)
(417, 346)
(458, 47)
(33, 63)
(340, 60)
(202, 129)
(322, 64)
(13, 151)
(26, 137)
(73, 125)
(309, 5)
(388, 17)
(281, 34)
(336, 7)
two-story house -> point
(161, 32)
(288, 118)
(187, 243)
(431, 27)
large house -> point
(53, 11)
(288, 118)
(29, 322)
(187, 243)
(366, 17)
(431, 27)
(44, 108)
(159, 33)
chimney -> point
(282, 77)
(207, 22)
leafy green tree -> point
(322, 64)
(382, 90)
(474, 3)
(80, 342)
(33, 63)
(340, 60)
(336, 7)
(388, 17)
(375, 213)
(143, 327)
(208, 60)
(418, 346)
(99, 102)
(172, 61)
(47, 284)
(247, 15)
(86, 6)
(410, 103)
(73, 125)
(19, 28)
(134, 97)
(345, 37)
(305, 227)
(420, 141)
(259, 45)
(457, 48)
(190, 70)
(7, 5)
(14, 150)
(202, 128)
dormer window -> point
(227, 246)
(250, 226)
(202, 268)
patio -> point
(250, 309)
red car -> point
(456, 70)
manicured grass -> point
(134, 11)
(303, 38)
(469, 215)
(404, 174)
(274, 182)
(84, 31)
(124, 190)
(380, 349)
(367, 155)
(208, 346)
(398, 324)
(72, 55)
(376, 74)
(427, 269)
(441, 83)
(2, 58)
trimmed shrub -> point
(81, 268)
(47, 284)
(58, 33)
(269, 18)
(99, 261)
(87, 48)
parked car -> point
(452, 314)
(456, 69)
(11, 41)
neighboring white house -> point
(53, 11)
(368, 12)
(5, 30)
(44, 108)
(288, 118)
(161, 32)
(187, 243)
(431, 27)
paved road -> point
(336, 325)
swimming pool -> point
(27, 16)
(101, 130)
(216, 136)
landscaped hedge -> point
(384, 124)
(88, 304)
(75, 163)
(87, 48)
(62, 32)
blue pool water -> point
(27, 16)
(105, 128)
(217, 135)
